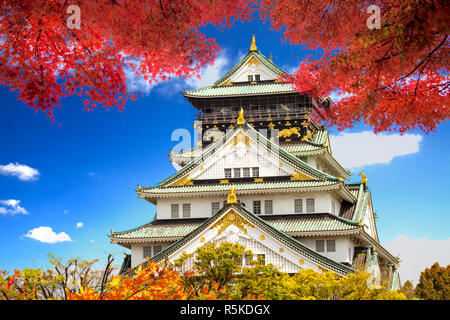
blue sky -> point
(89, 167)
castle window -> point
(257, 77)
(255, 172)
(333, 207)
(156, 250)
(147, 251)
(310, 205)
(250, 78)
(186, 210)
(246, 172)
(175, 210)
(237, 172)
(215, 206)
(227, 173)
(257, 207)
(298, 205)
(331, 245)
(320, 245)
(268, 206)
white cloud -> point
(12, 207)
(338, 96)
(135, 83)
(91, 174)
(92, 241)
(66, 211)
(80, 225)
(210, 73)
(418, 254)
(47, 235)
(355, 150)
(23, 172)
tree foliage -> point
(434, 283)
(44, 59)
(394, 77)
(408, 290)
(213, 272)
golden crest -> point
(185, 181)
(298, 176)
(232, 218)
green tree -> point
(434, 283)
(212, 265)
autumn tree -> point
(408, 290)
(224, 265)
(52, 49)
(434, 283)
(388, 58)
(66, 277)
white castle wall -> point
(344, 247)
(282, 203)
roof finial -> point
(271, 58)
(232, 196)
(241, 119)
(253, 45)
(364, 178)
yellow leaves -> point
(138, 270)
(115, 281)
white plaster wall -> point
(241, 75)
(344, 247)
(281, 203)
(137, 252)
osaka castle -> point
(262, 175)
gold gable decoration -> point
(298, 176)
(240, 137)
(232, 217)
(185, 181)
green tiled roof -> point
(238, 186)
(310, 223)
(158, 229)
(241, 90)
(179, 228)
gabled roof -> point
(221, 88)
(257, 136)
(258, 55)
(254, 219)
(241, 90)
(293, 224)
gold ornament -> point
(232, 196)
(232, 217)
(298, 176)
(241, 119)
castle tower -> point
(263, 175)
